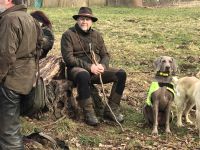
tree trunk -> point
(137, 3)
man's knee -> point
(121, 75)
(83, 77)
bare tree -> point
(137, 3)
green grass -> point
(135, 33)
(89, 141)
(134, 37)
(28, 127)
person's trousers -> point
(10, 137)
(83, 80)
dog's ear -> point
(174, 66)
(198, 75)
(175, 80)
(157, 64)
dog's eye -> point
(170, 61)
(163, 61)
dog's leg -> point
(168, 109)
(145, 115)
(155, 117)
(198, 121)
(189, 106)
(179, 117)
(147, 112)
(179, 100)
(197, 102)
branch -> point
(103, 89)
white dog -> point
(187, 95)
(197, 101)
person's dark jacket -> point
(47, 41)
(18, 38)
(72, 48)
(47, 32)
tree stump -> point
(52, 69)
(61, 98)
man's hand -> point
(101, 68)
(97, 69)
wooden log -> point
(61, 96)
(52, 69)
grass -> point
(89, 141)
(134, 38)
(138, 32)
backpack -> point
(35, 101)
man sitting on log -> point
(86, 58)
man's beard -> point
(85, 29)
(2, 9)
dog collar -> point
(162, 74)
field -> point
(134, 38)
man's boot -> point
(98, 103)
(114, 103)
(88, 111)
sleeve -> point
(9, 39)
(105, 57)
(67, 54)
(48, 41)
(39, 37)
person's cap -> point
(85, 12)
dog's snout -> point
(167, 68)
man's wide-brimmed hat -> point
(85, 12)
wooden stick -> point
(103, 89)
(60, 119)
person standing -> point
(18, 39)
(78, 44)
(48, 35)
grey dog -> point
(161, 94)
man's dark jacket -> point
(75, 46)
(18, 38)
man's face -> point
(5, 4)
(84, 23)
(2, 3)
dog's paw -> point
(189, 122)
(167, 131)
(180, 124)
(155, 132)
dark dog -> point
(158, 103)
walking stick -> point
(102, 86)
